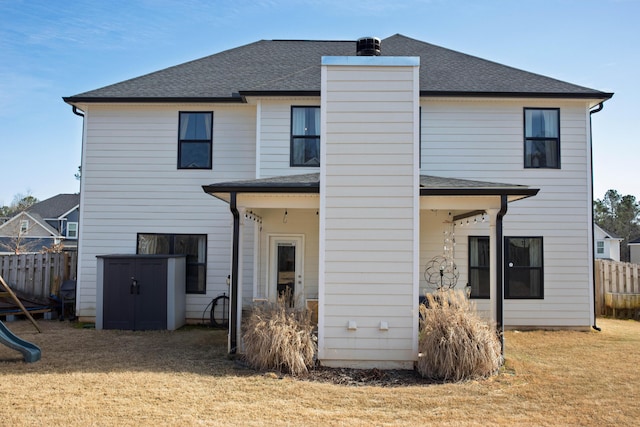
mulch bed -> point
(366, 377)
(351, 377)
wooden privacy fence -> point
(38, 274)
(617, 288)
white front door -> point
(286, 273)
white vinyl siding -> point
(131, 184)
(482, 140)
(274, 135)
(368, 216)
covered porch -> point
(282, 217)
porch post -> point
(233, 297)
(500, 270)
(493, 263)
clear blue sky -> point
(54, 48)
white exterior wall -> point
(614, 249)
(634, 253)
(369, 211)
(274, 135)
(483, 140)
(131, 184)
(611, 245)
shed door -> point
(118, 309)
(135, 294)
(150, 300)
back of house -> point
(356, 176)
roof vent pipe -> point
(368, 46)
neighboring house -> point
(51, 222)
(607, 245)
(347, 178)
(634, 251)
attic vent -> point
(368, 46)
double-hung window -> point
(194, 246)
(542, 138)
(524, 272)
(305, 136)
(479, 266)
(195, 140)
(72, 230)
(600, 247)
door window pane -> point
(479, 266)
(524, 269)
(286, 272)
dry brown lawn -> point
(107, 378)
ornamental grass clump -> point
(277, 337)
(455, 344)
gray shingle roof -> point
(310, 183)
(293, 66)
(55, 206)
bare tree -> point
(15, 234)
(16, 237)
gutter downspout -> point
(500, 271)
(79, 240)
(593, 263)
(233, 303)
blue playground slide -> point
(31, 352)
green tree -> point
(620, 215)
(22, 202)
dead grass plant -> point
(455, 344)
(277, 337)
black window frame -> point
(294, 137)
(510, 269)
(531, 139)
(487, 268)
(185, 142)
(201, 267)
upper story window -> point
(524, 273)
(194, 140)
(600, 247)
(542, 138)
(72, 230)
(24, 226)
(305, 136)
